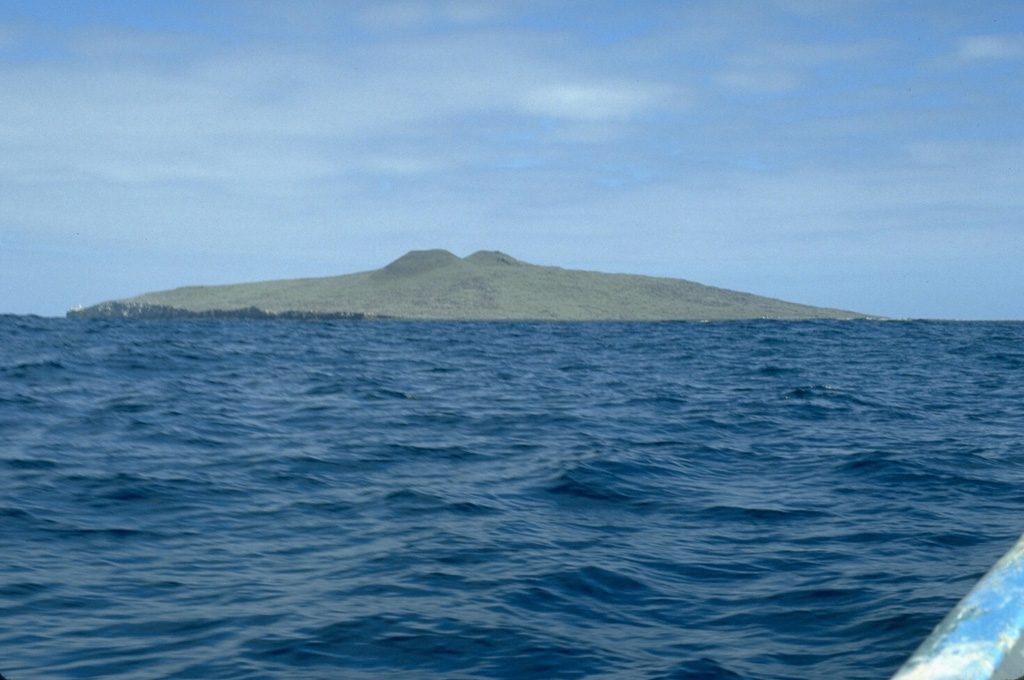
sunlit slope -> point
(488, 285)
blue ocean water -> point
(232, 499)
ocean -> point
(264, 499)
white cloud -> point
(759, 80)
(804, 55)
(404, 166)
(412, 14)
(595, 101)
(772, 66)
(991, 47)
(817, 7)
(276, 120)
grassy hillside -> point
(488, 285)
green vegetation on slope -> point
(487, 285)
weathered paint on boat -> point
(981, 639)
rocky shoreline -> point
(148, 311)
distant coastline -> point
(438, 285)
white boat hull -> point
(983, 637)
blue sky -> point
(850, 153)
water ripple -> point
(511, 500)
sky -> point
(860, 154)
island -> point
(485, 286)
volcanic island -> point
(485, 286)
